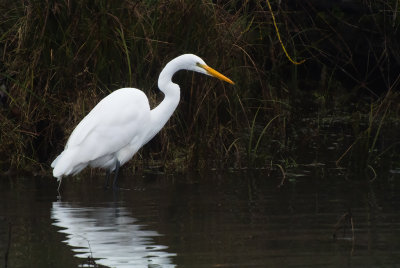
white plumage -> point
(121, 123)
(113, 130)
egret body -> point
(121, 123)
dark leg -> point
(117, 165)
(107, 182)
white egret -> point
(121, 123)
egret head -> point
(187, 62)
(196, 64)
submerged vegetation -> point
(59, 58)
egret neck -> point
(160, 114)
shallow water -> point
(237, 219)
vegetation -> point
(59, 58)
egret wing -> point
(112, 124)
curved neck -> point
(165, 78)
(161, 113)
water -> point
(237, 219)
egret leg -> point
(59, 184)
(117, 165)
(107, 181)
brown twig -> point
(8, 245)
(341, 224)
(283, 175)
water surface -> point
(231, 219)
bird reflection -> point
(109, 236)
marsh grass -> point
(59, 58)
(364, 152)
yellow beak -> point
(215, 73)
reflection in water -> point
(110, 236)
(221, 220)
